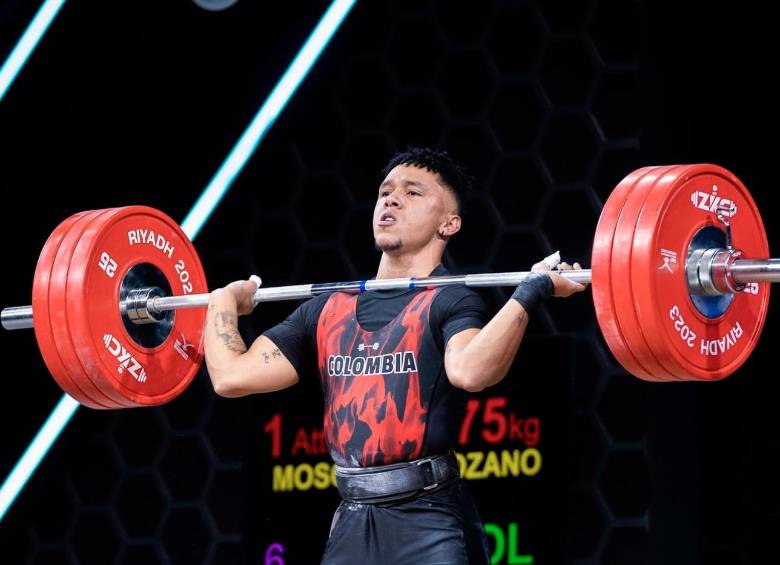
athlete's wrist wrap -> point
(536, 288)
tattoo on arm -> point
(226, 326)
(522, 319)
(273, 355)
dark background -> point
(550, 104)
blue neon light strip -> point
(27, 43)
(196, 218)
(266, 116)
(36, 451)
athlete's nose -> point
(392, 200)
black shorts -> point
(439, 528)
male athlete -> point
(396, 367)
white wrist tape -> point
(552, 261)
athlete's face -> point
(413, 208)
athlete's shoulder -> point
(448, 297)
(317, 303)
(308, 312)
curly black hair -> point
(436, 161)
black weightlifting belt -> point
(399, 481)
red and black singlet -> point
(380, 357)
(378, 384)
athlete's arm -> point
(475, 359)
(235, 370)
(478, 358)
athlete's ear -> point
(450, 226)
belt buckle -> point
(420, 464)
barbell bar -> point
(146, 305)
(742, 271)
(678, 274)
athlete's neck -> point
(400, 266)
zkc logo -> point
(126, 360)
(711, 202)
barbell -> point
(679, 282)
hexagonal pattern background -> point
(541, 102)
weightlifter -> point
(396, 367)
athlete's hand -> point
(243, 292)
(562, 286)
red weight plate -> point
(623, 294)
(111, 246)
(704, 348)
(601, 272)
(63, 269)
(42, 327)
(58, 315)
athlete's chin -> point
(387, 245)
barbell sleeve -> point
(756, 270)
(17, 317)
